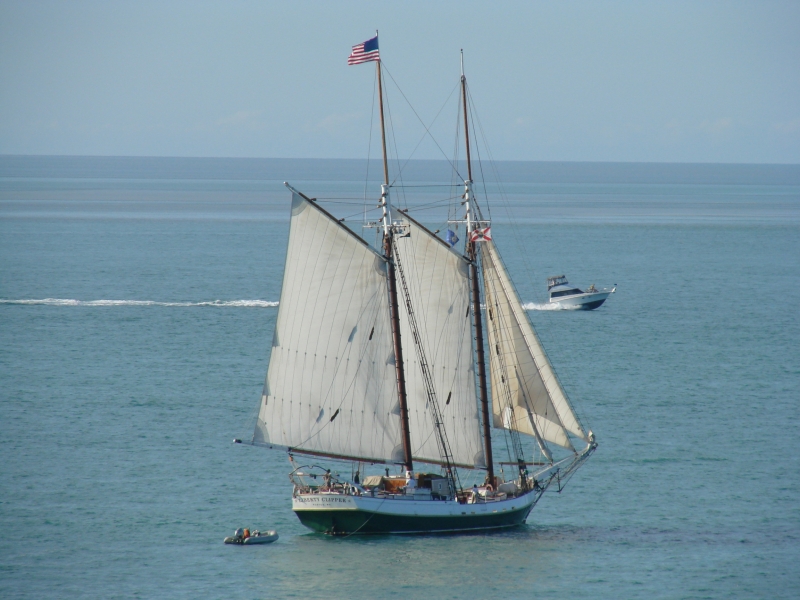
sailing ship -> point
(380, 357)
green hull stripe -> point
(343, 522)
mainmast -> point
(388, 233)
(472, 251)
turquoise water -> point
(136, 309)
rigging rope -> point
(427, 130)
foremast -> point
(472, 252)
(391, 279)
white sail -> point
(331, 385)
(437, 278)
(526, 393)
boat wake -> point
(548, 306)
(215, 303)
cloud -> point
(792, 126)
(332, 123)
(715, 127)
(673, 130)
(242, 118)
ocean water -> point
(137, 301)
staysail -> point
(333, 322)
(438, 285)
(526, 394)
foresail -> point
(526, 393)
(330, 386)
(438, 284)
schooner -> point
(380, 357)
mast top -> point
(466, 120)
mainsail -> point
(526, 394)
(438, 285)
(330, 387)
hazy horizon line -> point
(106, 167)
(410, 160)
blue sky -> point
(579, 81)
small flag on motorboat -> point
(481, 235)
(364, 52)
(451, 238)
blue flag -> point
(451, 238)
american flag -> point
(364, 52)
(481, 235)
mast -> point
(392, 284)
(383, 143)
(476, 294)
(466, 124)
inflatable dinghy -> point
(244, 536)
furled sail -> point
(526, 394)
(331, 386)
(437, 278)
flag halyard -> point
(366, 52)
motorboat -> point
(568, 296)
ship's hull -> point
(338, 514)
(582, 301)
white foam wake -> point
(71, 302)
(548, 306)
